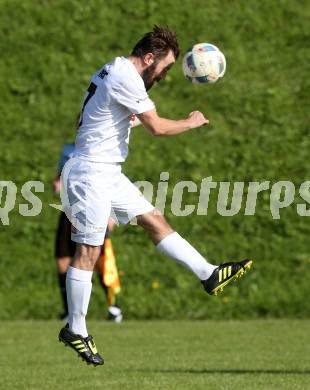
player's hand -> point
(197, 119)
(57, 185)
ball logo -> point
(204, 64)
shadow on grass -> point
(236, 371)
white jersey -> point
(116, 92)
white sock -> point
(79, 286)
(179, 249)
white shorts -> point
(95, 192)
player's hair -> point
(159, 42)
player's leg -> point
(214, 278)
(79, 288)
(128, 203)
(64, 251)
(173, 245)
(62, 267)
(87, 188)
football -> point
(204, 64)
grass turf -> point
(270, 354)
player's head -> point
(158, 50)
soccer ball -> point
(204, 64)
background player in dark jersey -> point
(65, 249)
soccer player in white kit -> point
(97, 188)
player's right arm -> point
(158, 126)
(128, 90)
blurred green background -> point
(259, 130)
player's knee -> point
(154, 222)
(86, 256)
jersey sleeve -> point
(132, 95)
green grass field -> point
(270, 354)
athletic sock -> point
(63, 291)
(180, 250)
(79, 287)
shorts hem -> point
(88, 241)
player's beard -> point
(148, 76)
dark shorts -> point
(64, 246)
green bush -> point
(258, 131)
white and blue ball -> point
(203, 64)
